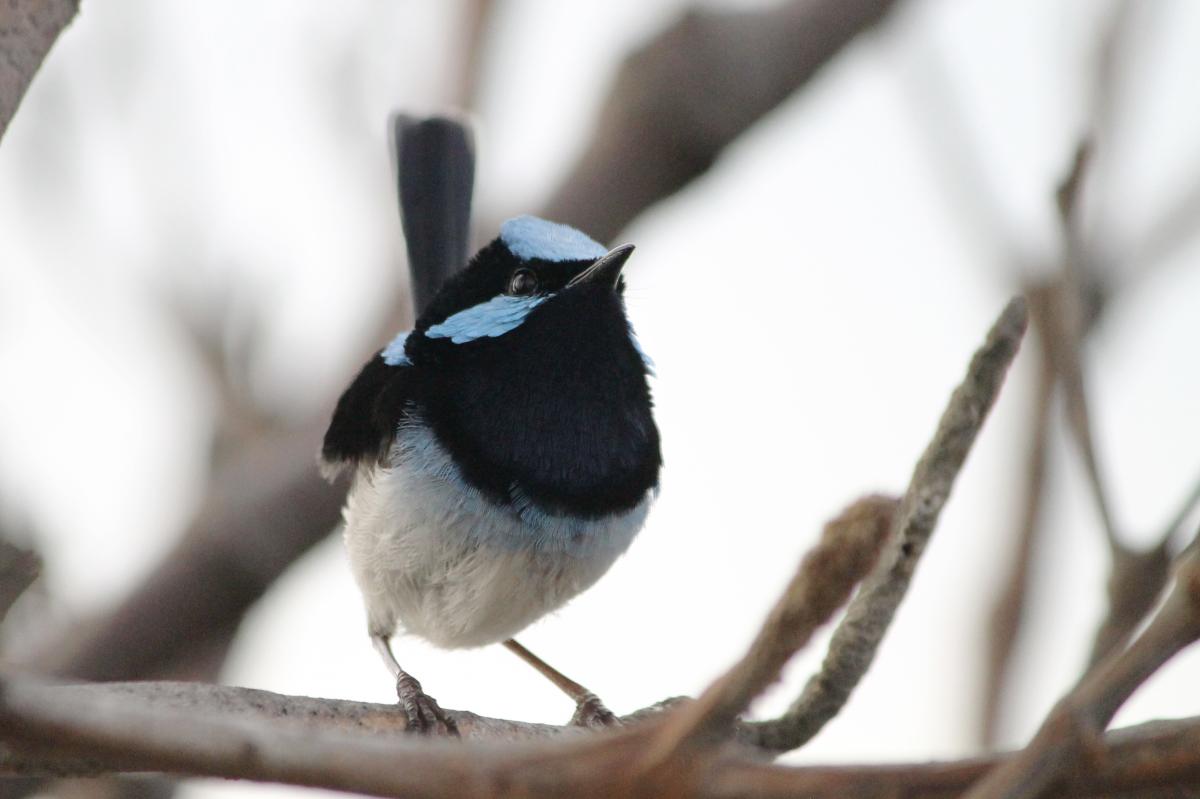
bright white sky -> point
(810, 303)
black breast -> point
(557, 411)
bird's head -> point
(539, 289)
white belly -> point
(435, 558)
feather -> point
(529, 238)
(489, 319)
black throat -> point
(556, 412)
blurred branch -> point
(848, 549)
(267, 507)
(681, 99)
(187, 728)
(857, 638)
(1156, 760)
(1066, 346)
(477, 23)
(1136, 578)
(957, 161)
(1010, 608)
(28, 29)
(1070, 736)
(18, 569)
(224, 337)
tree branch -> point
(681, 99)
(193, 729)
(1069, 738)
(857, 638)
(28, 29)
(848, 548)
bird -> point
(503, 454)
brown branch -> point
(1070, 736)
(192, 729)
(857, 638)
(848, 549)
(28, 29)
(1156, 760)
(681, 99)
(1136, 578)
(1176, 525)
(1066, 343)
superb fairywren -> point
(504, 452)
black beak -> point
(607, 268)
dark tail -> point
(434, 159)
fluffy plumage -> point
(505, 452)
(440, 560)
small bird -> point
(504, 453)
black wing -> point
(365, 419)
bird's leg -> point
(424, 714)
(589, 710)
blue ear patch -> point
(528, 237)
(393, 353)
(489, 319)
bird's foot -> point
(590, 712)
(425, 716)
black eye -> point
(523, 283)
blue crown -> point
(529, 238)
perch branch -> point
(857, 638)
(28, 29)
(193, 729)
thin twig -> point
(857, 638)
(1069, 738)
(1009, 611)
(848, 548)
(1066, 342)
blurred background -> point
(199, 245)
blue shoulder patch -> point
(393, 353)
(646, 359)
(488, 319)
(529, 237)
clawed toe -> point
(425, 716)
(590, 712)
